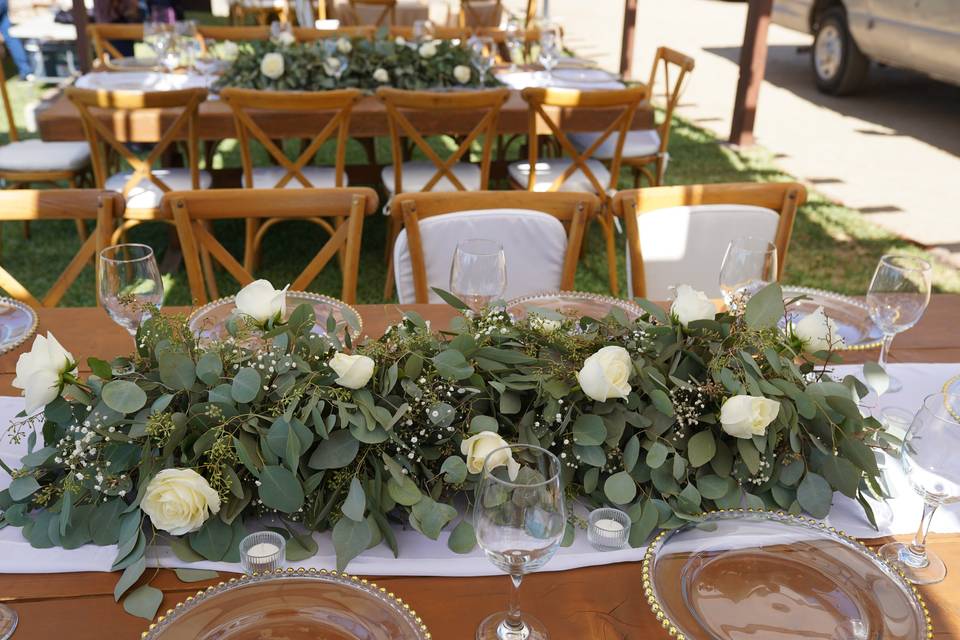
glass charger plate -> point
(573, 304)
(209, 321)
(293, 605)
(851, 315)
(140, 81)
(744, 575)
(18, 321)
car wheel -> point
(838, 64)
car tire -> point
(839, 67)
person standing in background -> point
(14, 46)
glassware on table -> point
(207, 63)
(188, 42)
(550, 48)
(519, 519)
(748, 266)
(929, 460)
(484, 53)
(898, 295)
(129, 284)
(515, 39)
(478, 272)
(8, 622)
(422, 31)
(262, 552)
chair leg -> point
(208, 273)
(606, 225)
(393, 232)
(250, 253)
(26, 229)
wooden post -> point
(83, 40)
(626, 44)
(753, 62)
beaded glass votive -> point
(262, 552)
(608, 529)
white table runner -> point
(420, 556)
(582, 79)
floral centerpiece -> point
(667, 416)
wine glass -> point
(478, 272)
(166, 48)
(207, 63)
(929, 460)
(519, 518)
(8, 621)
(549, 49)
(130, 286)
(483, 56)
(188, 41)
(898, 295)
(515, 37)
(422, 31)
(749, 265)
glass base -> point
(495, 628)
(928, 569)
(8, 621)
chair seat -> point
(318, 177)
(147, 195)
(417, 173)
(637, 144)
(549, 169)
(36, 155)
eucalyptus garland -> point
(665, 416)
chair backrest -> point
(530, 15)
(60, 204)
(682, 65)
(440, 32)
(242, 101)
(620, 103)
(678, 235)
(486, 104)
(12, 133)
(386, 17)
(480, 13)
(309, 34)
(541, 233)
(192, 211)
(102, 138)
(102, 33)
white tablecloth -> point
(582, 79)
(420, 556)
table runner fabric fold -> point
(420, 556)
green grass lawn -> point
(832, 248)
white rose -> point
(428, 50)
(229, 50)
(331, 66)
(544, 325)
(285, 38)
(344, 46)
(179, 501)
(40, 372)
(354, 371)
(462, 73)
(606, 374)
(478, 447)
(400, 41)
(272, 65)
(747, 416)
(690, 305)
(818, 332)
(261, 301)
(381, 75)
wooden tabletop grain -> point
(601, 603)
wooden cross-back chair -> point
(101, 34)
(192, 212)
(579, 172)
(440, 32)
(26, 205)
(747, 201)
(262, 11)
(386, 17)
(246, 103)
(309, 34)
(530, 36)
(573, 210)
(480, 13)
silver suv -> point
(920, 35)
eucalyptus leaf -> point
(143, 602)
(620, 488)
(356, 502)
(195, 575)
(280, 489)
(123, 396)
(462, 538)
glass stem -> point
(885, 349)
(514, 622)
(919, 545)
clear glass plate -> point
(743, 575)
(851, 315)
(209, 321)
(572, 304)
(296, 604)
(18, 321)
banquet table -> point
(601, 603)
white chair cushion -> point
(417, 173)
(534, 244)
(549, 169)
(685, 245)
(319, 177)
(645, 142)
(147, 195)
(37, 155)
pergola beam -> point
(626, 43)
(83, 40)
(753, 62)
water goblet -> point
(749, 265)
(898, 295)
(515, 37)
(484, 55)
(928, 458)
(478, 272)
(129, 284)
(188, 42)
(550, 48)
(519, 519)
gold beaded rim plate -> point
(948, 389)
(200, 313)
(167, 620)
(654, 599)
(629, 307)
(16, 340)
(821, 297)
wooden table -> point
(596, 603)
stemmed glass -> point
(549, 49)
(188, 41)
(748, 266)
(515, 37)
(207, 63)
(898, 295)
(483, 57)
(422, 31)
(519, 518)
(129, 284)
(929, 460)
(478, 272)
(166, 47)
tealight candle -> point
(262, 552)
(608, 529)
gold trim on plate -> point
(33, 325)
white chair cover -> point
(417, 173)
(685, 245)
(534, 243)
(319, 177)
(549, 169)
(147, 195)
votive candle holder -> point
(262, 552)
(608, 529)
